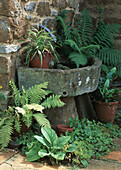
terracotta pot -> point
(36, 61)
(105, 112)
(61, 129)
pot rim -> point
(104, 103)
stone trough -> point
(71, 84)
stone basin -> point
(71, 82)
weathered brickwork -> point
(16, 16)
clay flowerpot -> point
(61, 129)
(106, 112)
(36, 61)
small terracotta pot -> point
(61, 129)
(36, 61)
(105, 112)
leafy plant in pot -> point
(105, 103)
(40, 49)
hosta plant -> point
(54, 147)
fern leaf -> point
(78, 58)
(5, 134)
(41, 119)
(37, 93)
(17, 125)
(84, 25)
(16, 93)
(72, 45)
(52, 101)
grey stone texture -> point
(71, 82)
(9, 48)
(30, 6)
(6, 34)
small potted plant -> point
(105, 103)
(40, 48)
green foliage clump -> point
(29, 105)
(73, 45)
(105, 91)
(54, 146)
(81, 39)
(91, 140)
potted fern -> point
(105, 103)
(29, 105)
(40, 48)
(74, 47)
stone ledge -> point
(5, 49)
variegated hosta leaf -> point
(20, 110)
(34, 106)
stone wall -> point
(17, 15)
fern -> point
(52, 101)
(16, 93)
(37, 93)
(78, 58)
(41, 119)
(104, 35)
(84, 26)
(5, 133)
(17, 125)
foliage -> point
(36, 94)
(2, 97)
(27, 140)
(103, 36)
(105, 92)
(91, 140)
(29, 105)
(84, 34)
(39, 41)
(55, 147)
(73, 44)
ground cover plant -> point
(89, 139)
(92, 139)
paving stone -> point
(6, 155)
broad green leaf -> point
(61, 141)
(42, 140)
(32, 155)
(43, 152)
(84, 163)
(106, 85)
(58, 155)
(49, 134)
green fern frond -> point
(5, 134)
(41, 119)
(27, 118)
(84, 25)
(104, 34)
(78, 58)
(71, 44)
(37, 93)
(110, 56)
(16, 93)
(17, 125)
(52, 101)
